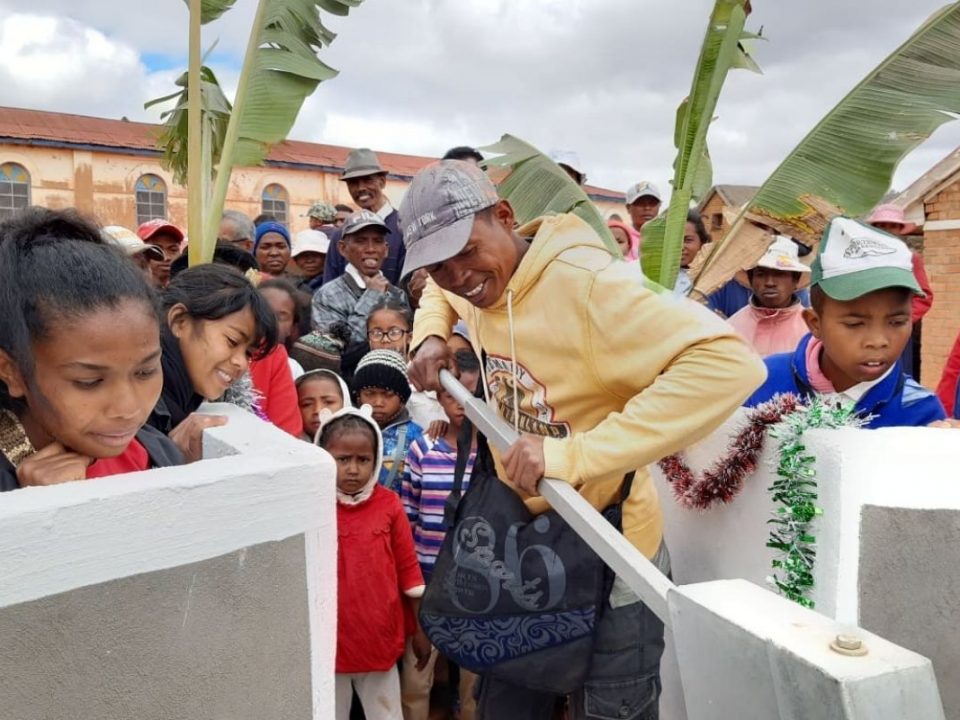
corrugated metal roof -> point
(37, 126)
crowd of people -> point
(109, 344)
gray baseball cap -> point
(360, 163)
(436, 215)
(360, 220)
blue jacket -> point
(336, 265)
(897, 401)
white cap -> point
(568, 158)
(642, 189)
(310, 241)
(784, 255)
(129, 242)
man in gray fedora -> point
(365, 181)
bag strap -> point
(398, 453)
(464, 446)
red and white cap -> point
(155, 227)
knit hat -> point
(385, 370)
(270, 227)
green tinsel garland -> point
(795, 489)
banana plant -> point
(280, 70)
(846, 163)
(723, 49)
(537, 186)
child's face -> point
(388, 330)
(456, 343)
(282, 305)
(214, 351)
(355, 455)
(314, 395)
(623, 240)
(386, 404)
(94, 385)
(862, 338)
(451, 407)
(366, 250)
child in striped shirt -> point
(428, 478)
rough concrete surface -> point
(910, 588)
(222, 639)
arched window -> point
(151, 198)
(274, 202)
(14, 189)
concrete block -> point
(745, 653)
(207, 590)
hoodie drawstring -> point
(513, 363)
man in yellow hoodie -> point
(601, 375)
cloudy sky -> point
(601, 77)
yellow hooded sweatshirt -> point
(614, 376)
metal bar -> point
(630, 565)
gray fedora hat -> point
(360, 163)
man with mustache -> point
(366, 180)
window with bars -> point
(14, 189)
(274, 202)
(151, 198)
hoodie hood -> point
(551, 235)
(341, 383)
(365, 414)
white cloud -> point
(602, 77)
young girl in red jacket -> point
(377, 571)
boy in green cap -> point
(859, 321)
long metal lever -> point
(639, 574)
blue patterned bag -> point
(512, 594)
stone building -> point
(111, 169)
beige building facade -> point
(111, 170)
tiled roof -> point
(37, 127)
(737, 195)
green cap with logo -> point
(855, 259)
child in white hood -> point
(377, 571)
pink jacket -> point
(770, 331)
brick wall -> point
(942, 259)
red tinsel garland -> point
(724, 480)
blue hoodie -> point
(896, 401)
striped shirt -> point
(427, 481)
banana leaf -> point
(846, 163)
(216, 110)
(723, 49)
(210, 10)
(537, 186)
(280, 70)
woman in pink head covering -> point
(627, 238)
(891, 219)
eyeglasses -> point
(393, 334)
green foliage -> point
(722, 50)
(846, 163)
(210, 10)
(215, 116)
(538, 186)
